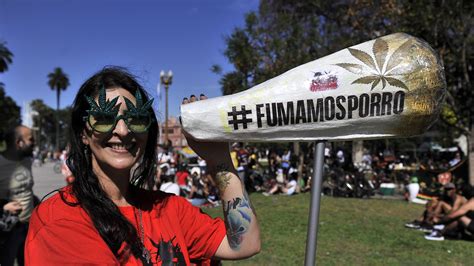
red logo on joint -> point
(323, 82)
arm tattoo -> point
(238, 216)
(222, 180)
(238, 211)
(223, 176)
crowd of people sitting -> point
(449, 212)
(280, 171)
(190, 179)
(196, 185)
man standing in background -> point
(16, 184)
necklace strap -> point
(145, 252)
(142, 230)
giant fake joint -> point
(388, 87)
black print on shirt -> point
(166, 253)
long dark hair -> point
(112, 226)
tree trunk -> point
(471, 157)
(58, 91)
(469, 138)
(357, 151)
(297, 151)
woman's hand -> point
(214, 153)
(13, 207)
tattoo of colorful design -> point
(247, 198)
(238, 215)
(222, 180)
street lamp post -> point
(166, 79)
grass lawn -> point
(351, 231)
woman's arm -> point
(243, 233)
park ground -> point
(351, 232)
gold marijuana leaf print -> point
(378, 73)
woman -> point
(106, 216)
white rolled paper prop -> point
(387, 87)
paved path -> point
(46, 180)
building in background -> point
(28, 114)
(175, 135)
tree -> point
(65, 124)
(284, 34)
(45, 122)
(5, 57)
(451, 34)
(10, 112)
(58, 81)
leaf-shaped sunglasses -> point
(102, 116)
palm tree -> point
(5, 57)
(5, 60)
(58, 81)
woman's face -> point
(119, 149)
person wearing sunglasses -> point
(109, 214)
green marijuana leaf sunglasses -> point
(102, 117)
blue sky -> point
(146, 36)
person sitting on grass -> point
(182, 176)
(458, 223)
(210, 190)
(412, 190)
(437, 208)
(307, 187)
(197, 196)
(168, 185)
(288, 189)
(451, 201)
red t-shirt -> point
(175, 231)
(181, 178)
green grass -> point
(351, 231)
